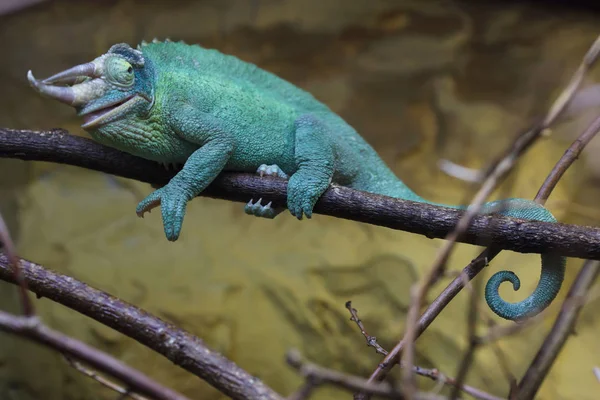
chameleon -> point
(173, 102)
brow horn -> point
(63, 94)
(71, 75)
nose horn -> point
(61, 93)
(71, 75)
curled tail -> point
(553, 271)
(553, 267)
(551, 277)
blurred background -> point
(421, 80)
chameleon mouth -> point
(109, 112)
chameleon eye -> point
(119, 71)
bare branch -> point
(177, 345)
(437, 376)
(33, 329)
(562, 328)
(319, 376)
(433, 374)
(371, 340)
(467, 360)
(571, 154)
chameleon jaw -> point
(94, 118)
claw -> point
(271, 170)
(258, 210)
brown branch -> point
(431, 221)
(371, 340)
(497, 171)
(31, 328)
(571, 154)
(503, 362)
(467, 360)
(318, 375)
(180, 347)
(561, 330)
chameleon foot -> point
(271, 170)
(258, 210)
(265, 211)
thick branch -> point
(180, 347)
(432, 221)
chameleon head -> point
(112, 87)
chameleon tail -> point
(553, 271)
(553, 266)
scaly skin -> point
(176, 103)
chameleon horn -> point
(61, 93)
(72, 75)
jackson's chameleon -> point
(178, 103)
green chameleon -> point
(177, 103)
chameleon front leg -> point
(200, 169)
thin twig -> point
(371, 340)
(502, 361)
(319, 376)
(11, 253)
(568, 158)
(437, 376)
(183, 349)
(104, 381)
(32, 328)
(522, 236)
(414, 328)
(433, 374)
(306, 390)
(562, 328)
(472, 317)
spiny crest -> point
(156, 41)
(135, 57)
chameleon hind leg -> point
(314, 158)
(258, 209)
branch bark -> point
(59, 146)
(180, 347)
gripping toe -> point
(263, 211)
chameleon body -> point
(178, 103)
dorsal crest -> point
(132, 55)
